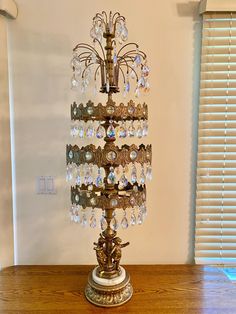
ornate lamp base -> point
(111, 292)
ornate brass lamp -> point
(109, 178)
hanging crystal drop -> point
(88, 179)
(90, 131)
(145, 128)
(93, 221)
(137, 58)
(139, 131)
(133, 219)
(132, 74)
(111, 130)
(149, 172)
(133, 174)
(100, 133)
(114, 222)
(69, 175)
(78, 177)
(122, 133)
(142, 176)
(103, 222)
(115, 57)
(124, 92)
(131, 130)
(146, 86)
(137, 92)
(111, 179)
(84, 220)
(123, 182)
(81, 131)
(74, 82)
(140, 218)
(124, 221)
(72, 129)
(99, 179)
(143, 209)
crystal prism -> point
(134, 174)
(84, 220)
(133, 219)
(100, 133)
(93, 221)
(111, 131)
(123, 182)
(103, 223)
(114, 223)
(122, 131)
(139, 131)
(124, 222)
(111, 179)
(69, 175)
(131, 130)
(90, 131)
(142, 177)
(99, 180)
(81, 131)
(140, 218)
(149, 172)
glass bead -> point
(133, 155)
(111, 156)
(88, 156)
(124, 221)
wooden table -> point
(157, 289)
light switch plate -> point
(45, 185)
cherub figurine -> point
(116, 251)
(101, 256)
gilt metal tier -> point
(100, 112)
(129, 198)
(109, 154)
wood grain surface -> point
(157, 289)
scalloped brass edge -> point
(109, 155)
(100, 112)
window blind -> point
(215, 236)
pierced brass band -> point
(121, 199)
(109, 155)
(131, 111)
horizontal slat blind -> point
(215, 240)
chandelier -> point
(109, 178)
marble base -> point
(108, 295)
(108, 282)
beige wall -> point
(41, 40)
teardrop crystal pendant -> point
(74, 82)
(103, 222)
(78, 177)
(93, 221)
(81, 131)
(133, 219)
(99, 179)
(114, 222)
(137, 92)
(124, 221)
(139, 131)
(133, 174)
(90, 131)
(123, 182)
(142, 178)
(111, 130)
(88, 179)
(145, 128)
(140, 218)
(84, 220)
(111, 178)
(149, 172)
(69, 175)
(131, 130)
(122, 133)
(100, 133)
